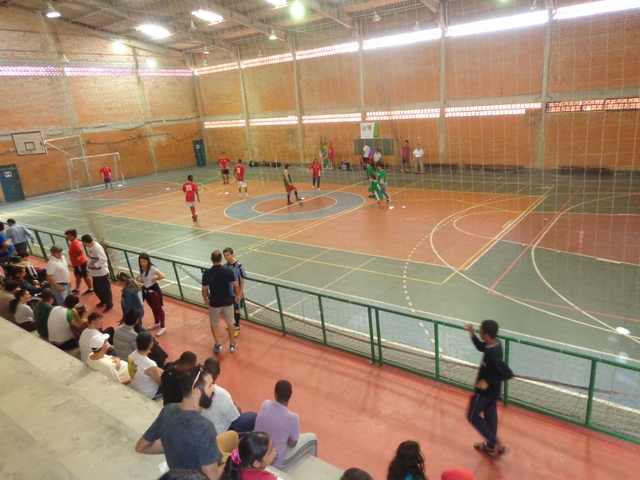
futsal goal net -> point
(86, 171)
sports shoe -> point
(237, 332)
(88, 291)
(248, 196)
(300, 202)
(195, 219)
(233, 347)
(161, 331)
(101, 304)
(289, 203)
(217, 348)
(154, 326)
(75, 290)
(107, 308)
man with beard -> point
(187, 439)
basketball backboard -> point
(29, 143)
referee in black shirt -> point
(483, 411)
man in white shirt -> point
(58, 275)
(144, 372)
(99, 270)
(94, 329)
(365, 156)
(109, 365)
(59, 324)
(418, 154)
(223, 413)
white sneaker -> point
(248, 196)
(161, 331)
(154, 326)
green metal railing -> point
(600, 394)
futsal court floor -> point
(554, 259)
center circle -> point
(277, 206)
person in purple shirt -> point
(283, 427)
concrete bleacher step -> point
(309, 468)
(61, 420)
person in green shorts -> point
(382, 180)
(289, 186)
(376, 190)
(371, 176)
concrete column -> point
(548, 32)
(245, 110)
(145, 111)
(442, 122)
(196, 87)
(296, 85)
(361, 71)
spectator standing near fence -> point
(217, 285)
(149, 278)
(483, 410)
(58, 275)
(240, 275)
(18, 235)
(99, 271)
(79, 262)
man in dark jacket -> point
(483, 411)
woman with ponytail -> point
(21, 311)
(255, 452)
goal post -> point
(84, 172)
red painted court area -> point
(610, 237)
(437, 227)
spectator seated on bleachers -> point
(94, 328)
(456, 474)
(7, 294)
(41, 312)
(170, 379)
(60, 321)
(255, 452)
(130, 300)
(283, 427)
(21, 311)
(144, 372)
(109, 365)
(355, 474)
(32, 272)
(408, 463)
(223, 412)
(182, 474)
(124, 340)
(18, 274)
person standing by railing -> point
(99, 271)
(79, 262)
(149, 278)
(483, 411)
(18, 235)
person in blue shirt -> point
(18, 235)
(7, 250)
(408, 464)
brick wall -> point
(329, 82)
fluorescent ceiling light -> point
(52, 12)
(207, 16)
(594, 8)
(297, 10)
(278, 3)
(272, 35)
(497, 24)
(154, 31)
(402, 39)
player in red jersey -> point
(224, 166)
(105, 172)
(238, 172)
(190, 190)
(316, 168)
